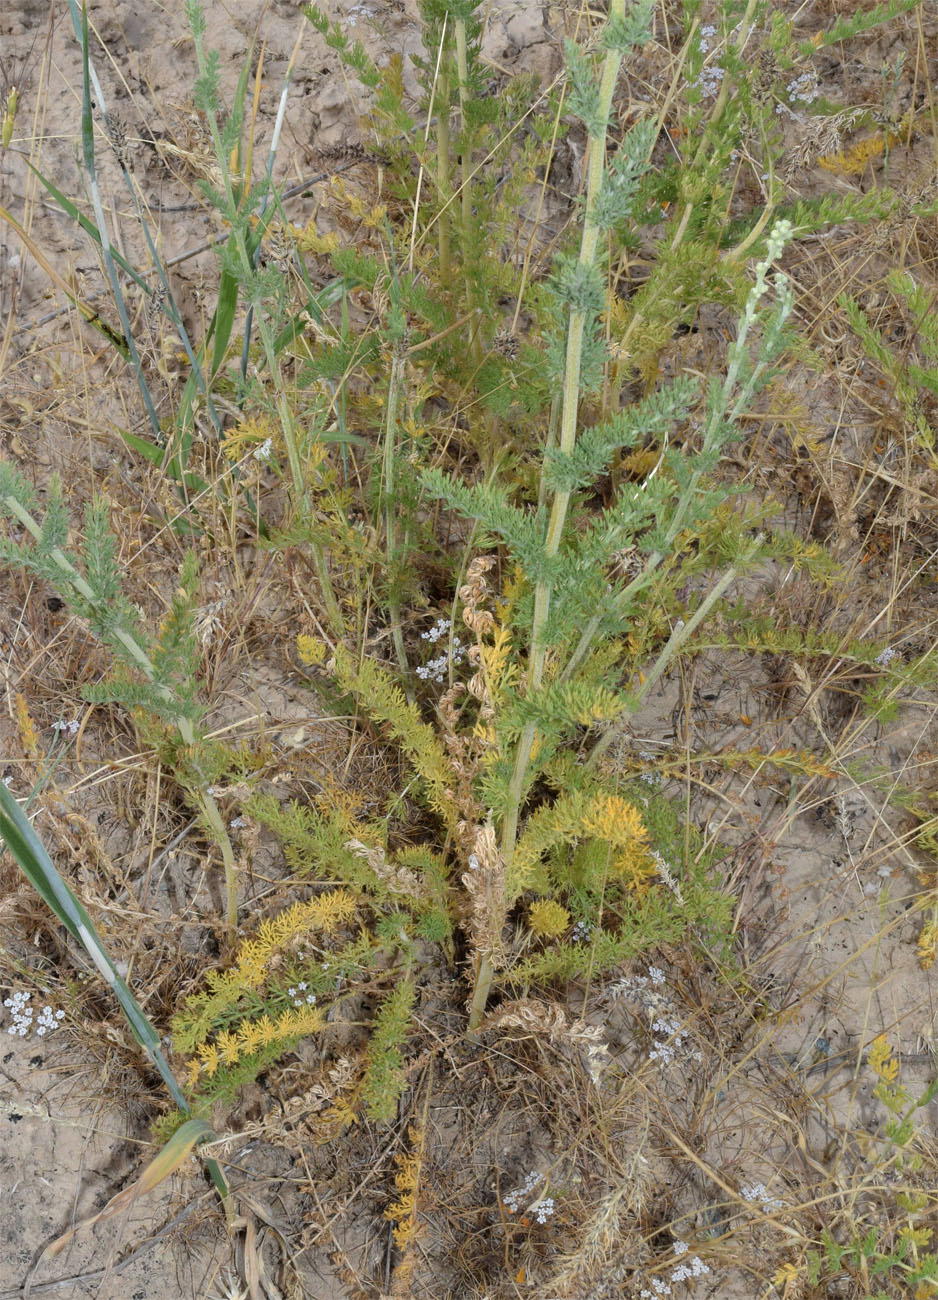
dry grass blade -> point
(176, 1150)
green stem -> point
(485, 973)
(465, 186)
(568, 427)
(209, 808)
(442, 172)
(284, 411)
(395, 388)
(570, 400)
(677, 640)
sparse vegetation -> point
(569, 460)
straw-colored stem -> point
(442, 172)
(209, 809)
(465, 185)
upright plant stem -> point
(441, 101)
(465, 185)
(395, 388)
(233, 204)
(570, 400)
(203, 799)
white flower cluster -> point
(668, 1029)
(650, 778)
(581, 931)
(263, 451)
(671, 1038)
(759, 1192)
(300, 996)
(542, 1210)
(23, 1014)
(513, 1200)
(885, 657)
(709, 80)
(67, 728)
(682, 1273)
(805, 88)
(435, 670)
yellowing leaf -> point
(548, 919)
(167, 1162)
(310, 649)
(881, 1060)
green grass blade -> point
(39, 869)
(87, 225)
(170, 1158)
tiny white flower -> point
(542, 1210)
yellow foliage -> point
(548, 919)
(326, 913)
(882, 1062)
(640, 463)
(614, 820)
(232, 1045)
(342, 1114)
(928, 945)
(635, 867)
(577, 815)
(248, 435)
(786, 1276)
(27, 727)
(309, 240)
(856, 160)
(227, 1044)
(368, 216)
(403, 1212)
(209, 1060)
(310, 649)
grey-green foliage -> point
(595, 447)
(156, 673)
(654, 513)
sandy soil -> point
(824, 874)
